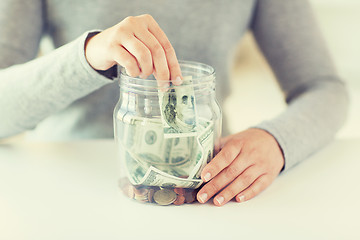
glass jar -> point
(165, 136)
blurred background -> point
(256, 95)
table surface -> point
(68, 190)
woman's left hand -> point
(248, 163)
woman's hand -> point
(139, 45)
(248, 162)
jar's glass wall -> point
(161, 161)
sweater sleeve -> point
(288, 35)
(32, 89)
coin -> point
(179, 191)
(179, 200)
(190, 196)
(164, 196)
(151, 195)
(141, 194)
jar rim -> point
(208, 75)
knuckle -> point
(157, 50)
(247, 178)
(168, 48)
(239, 143)
(213, 187)
(231, 172)
(132, 70)
(148, 71)
(128, 63)
(147, 16)
(254, 152)
(229, 153)
(121, 31)
(120, 27)
(129, 19)
(231, 192)
(143, 56)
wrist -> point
(271, 139)
(111, 72)
(87, 49)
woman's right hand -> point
(139, 45)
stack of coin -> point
(165, 196)
(190, 195)
(141, 194)
(161, 196)
(151, 195)
(180, 192)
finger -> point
(127, 60)
(223, 159)
(160, 65)
(259, 185)
(243, 181)
(141, 53)
(158, 57)
(224, 178)
(174, 66)
(172, 62)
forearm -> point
(288, 35)
(32, 91)
(310, 121)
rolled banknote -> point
(178, 106)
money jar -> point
(166, 135)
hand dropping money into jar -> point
(165, 156)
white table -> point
(69, 191)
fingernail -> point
(207, 177)
(220, 200)
(178, 80)
(242, 198)
(203, 197)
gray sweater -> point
(59, 96)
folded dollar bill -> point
(178, 106)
